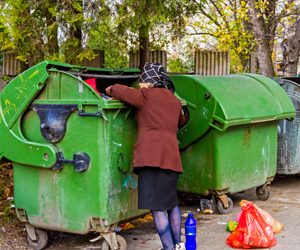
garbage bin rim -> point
(50, 63)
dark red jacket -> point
(158, 114)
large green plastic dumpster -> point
(71, 150)
(229, 144)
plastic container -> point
(229, 143)
(71, 150)
(190, 232)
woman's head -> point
(154, 75)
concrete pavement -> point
(283, 205)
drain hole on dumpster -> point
(46, 157)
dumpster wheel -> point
(225, 207)
(263, 192)
(122, 245)
(41, 240)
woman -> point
(156, 154)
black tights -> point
(168, 226)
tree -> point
(138, 18)
(45, 29)
(104, 36)
(264, 26)
(265, 17)
(291, 49)
(227, 22)
(28, 25)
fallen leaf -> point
(6, 192)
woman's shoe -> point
(180, 246)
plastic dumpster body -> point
(288, 161)
(71, 151)
(229, 144)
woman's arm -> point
(183, 119)
(126, 94)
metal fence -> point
(212, 62)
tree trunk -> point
(52, 38)
(271, 21)
(262, 40)
(291, 52)
(144, 45)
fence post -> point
(254, 64)
(155, 56)
(2, 83)
(11, 65)
(211, 62)
(97, 62)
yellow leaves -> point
(126, 226)
(262, 4)
(6, 192)
(7, 102)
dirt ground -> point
(283, 204)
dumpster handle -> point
(81, 161)
(83, 113)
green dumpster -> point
(71, 149)
(229, 144)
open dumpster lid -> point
(224, 101)
(22, 91)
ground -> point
(283, 204)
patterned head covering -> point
(155, 73)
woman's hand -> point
(108, 90)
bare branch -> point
(202, 11)
(220, 13)
(201, 33)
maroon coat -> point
(158, 114)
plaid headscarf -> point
(155, 73)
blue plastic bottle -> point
(190, 233)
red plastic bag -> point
(252, 230)
(276, 225)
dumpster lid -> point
(224, 101)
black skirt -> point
(157, 188)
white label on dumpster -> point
(80, 87)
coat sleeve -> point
(129, 95)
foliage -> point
(22, 38)
(226, 21)
(177, 66)
(104, 36)
(150, 23)
(54, 31)
(68, 30)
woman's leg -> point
(163, 228)
(175, 223)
